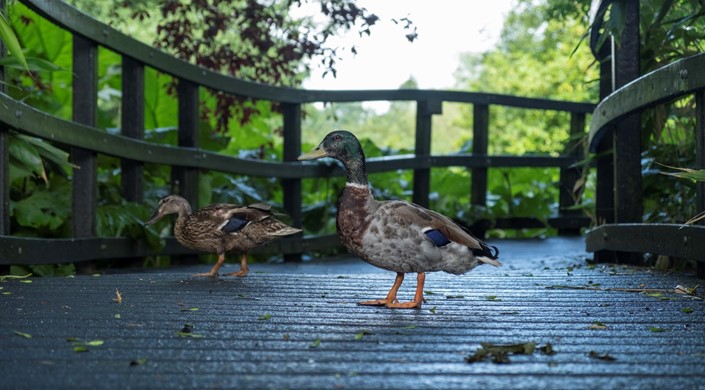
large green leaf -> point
(47, 209)
(687, 173)
(10, 39)
(25, 156)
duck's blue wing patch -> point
(233, 225)
(437, 237)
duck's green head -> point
(340, 144)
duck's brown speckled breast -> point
(354, 217)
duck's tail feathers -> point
(488, 254)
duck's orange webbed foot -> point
(214, 271)
(207, 274)
(393, 303)
(243, 267)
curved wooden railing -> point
(186, 158)
(680, 79)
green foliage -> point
(9, 39)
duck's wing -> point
(441, 230)
(227, 218)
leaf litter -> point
(499, 353)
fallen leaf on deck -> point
(362, 334)
(189, 334)
(687, 290)
(3, 277)
(118, 296)
(22, 334)
(264, 317)
(597, 326)
(687, 310)
(137, 362)
(499, 353)
(656, 329)
(605, 356)
(315, 344)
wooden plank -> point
(663, 239)
(30, 251)
(84, 110)
(304, 330)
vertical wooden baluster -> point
(627, 140)
(85, 105)
(292, 149)
(478, 179)
(132, 119)
(425, 109)
(604, 186)
(185, 179)
(4, 153)
(570, 175)
(700, 161)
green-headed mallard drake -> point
(221, 228)
(396, 235)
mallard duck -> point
(396, 235)
(221, 228)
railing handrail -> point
(187, 159)
(680, 78)
(82, 24)
(30, 120)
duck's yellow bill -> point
(314, 154)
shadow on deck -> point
(297, 326)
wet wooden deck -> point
(297, 326)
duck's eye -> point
(337, 137)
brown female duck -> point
(221, 228)
(396, 235)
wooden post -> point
(292, 149)
(700, 162)
(480, 140)
(604, 187)
(185, 180)
(132, 120)
(85, 105)
(627, 137)
(425, 110)
(4, 153)
(569, 175)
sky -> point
(386, 59)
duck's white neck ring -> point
(357, 185)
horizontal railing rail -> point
(86, 141)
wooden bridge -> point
(297, 326)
